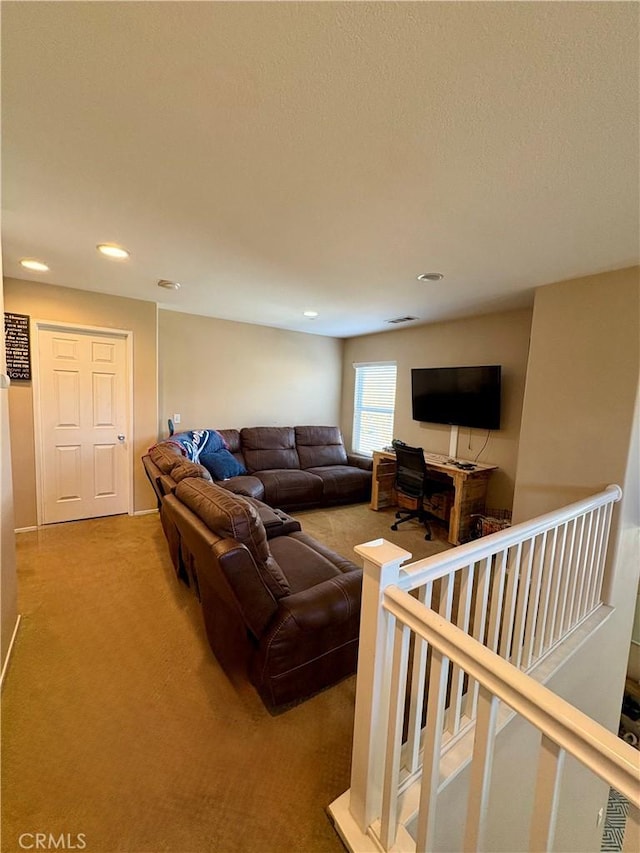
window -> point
(373, 406)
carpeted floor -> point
(120, 730)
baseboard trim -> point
(35, 526)
(9, 650)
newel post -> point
(382, 562)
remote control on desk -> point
(457, 463)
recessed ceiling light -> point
(430, 276)
(310, 314)
(169, 285)
(111, 250)
(33, 264)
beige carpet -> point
(118, 723)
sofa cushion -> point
(291, 487)
(229, 517)
(343, 484)
(320, 445)
(232, 443)
(231, 438)
(268, 448)
(306, 562)
(165, 453)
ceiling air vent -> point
(402, 320)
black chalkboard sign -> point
(16, 335)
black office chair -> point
(412, 480)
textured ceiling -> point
(277, 157)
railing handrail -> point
(439, 565)
(592, 744)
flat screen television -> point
(463, 396)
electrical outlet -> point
(176, 418)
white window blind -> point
(373, 406)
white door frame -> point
(56, 325)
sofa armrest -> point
(328, 603)
(153, 472)
(359, 460)
(253, 599)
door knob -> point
(120, 438)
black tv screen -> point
(463, 396)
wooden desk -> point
(470, 488)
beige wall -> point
(222, 374)
(62, 304)
(582, 383)
(490, 339)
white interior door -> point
(83, 417)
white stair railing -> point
(564, 729)
(519, 592)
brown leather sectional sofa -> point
(278, 606)
(286, 467)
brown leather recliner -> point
(285, 610)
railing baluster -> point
(508, 612)
(479, 627)
(418, 680)
(447, 586)
(523, 604)
(599, 595)
(596, 548)
(545, 804)
(497, 599)
(533, 610)
(585, 578)
(481, 766)
(389, 813)
(576, 572)
(438, 678)
(457, 675)
(432, 747)
(541, 633)
(557, 588)
(566, 578)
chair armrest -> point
(328, 603)
(358, 460)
